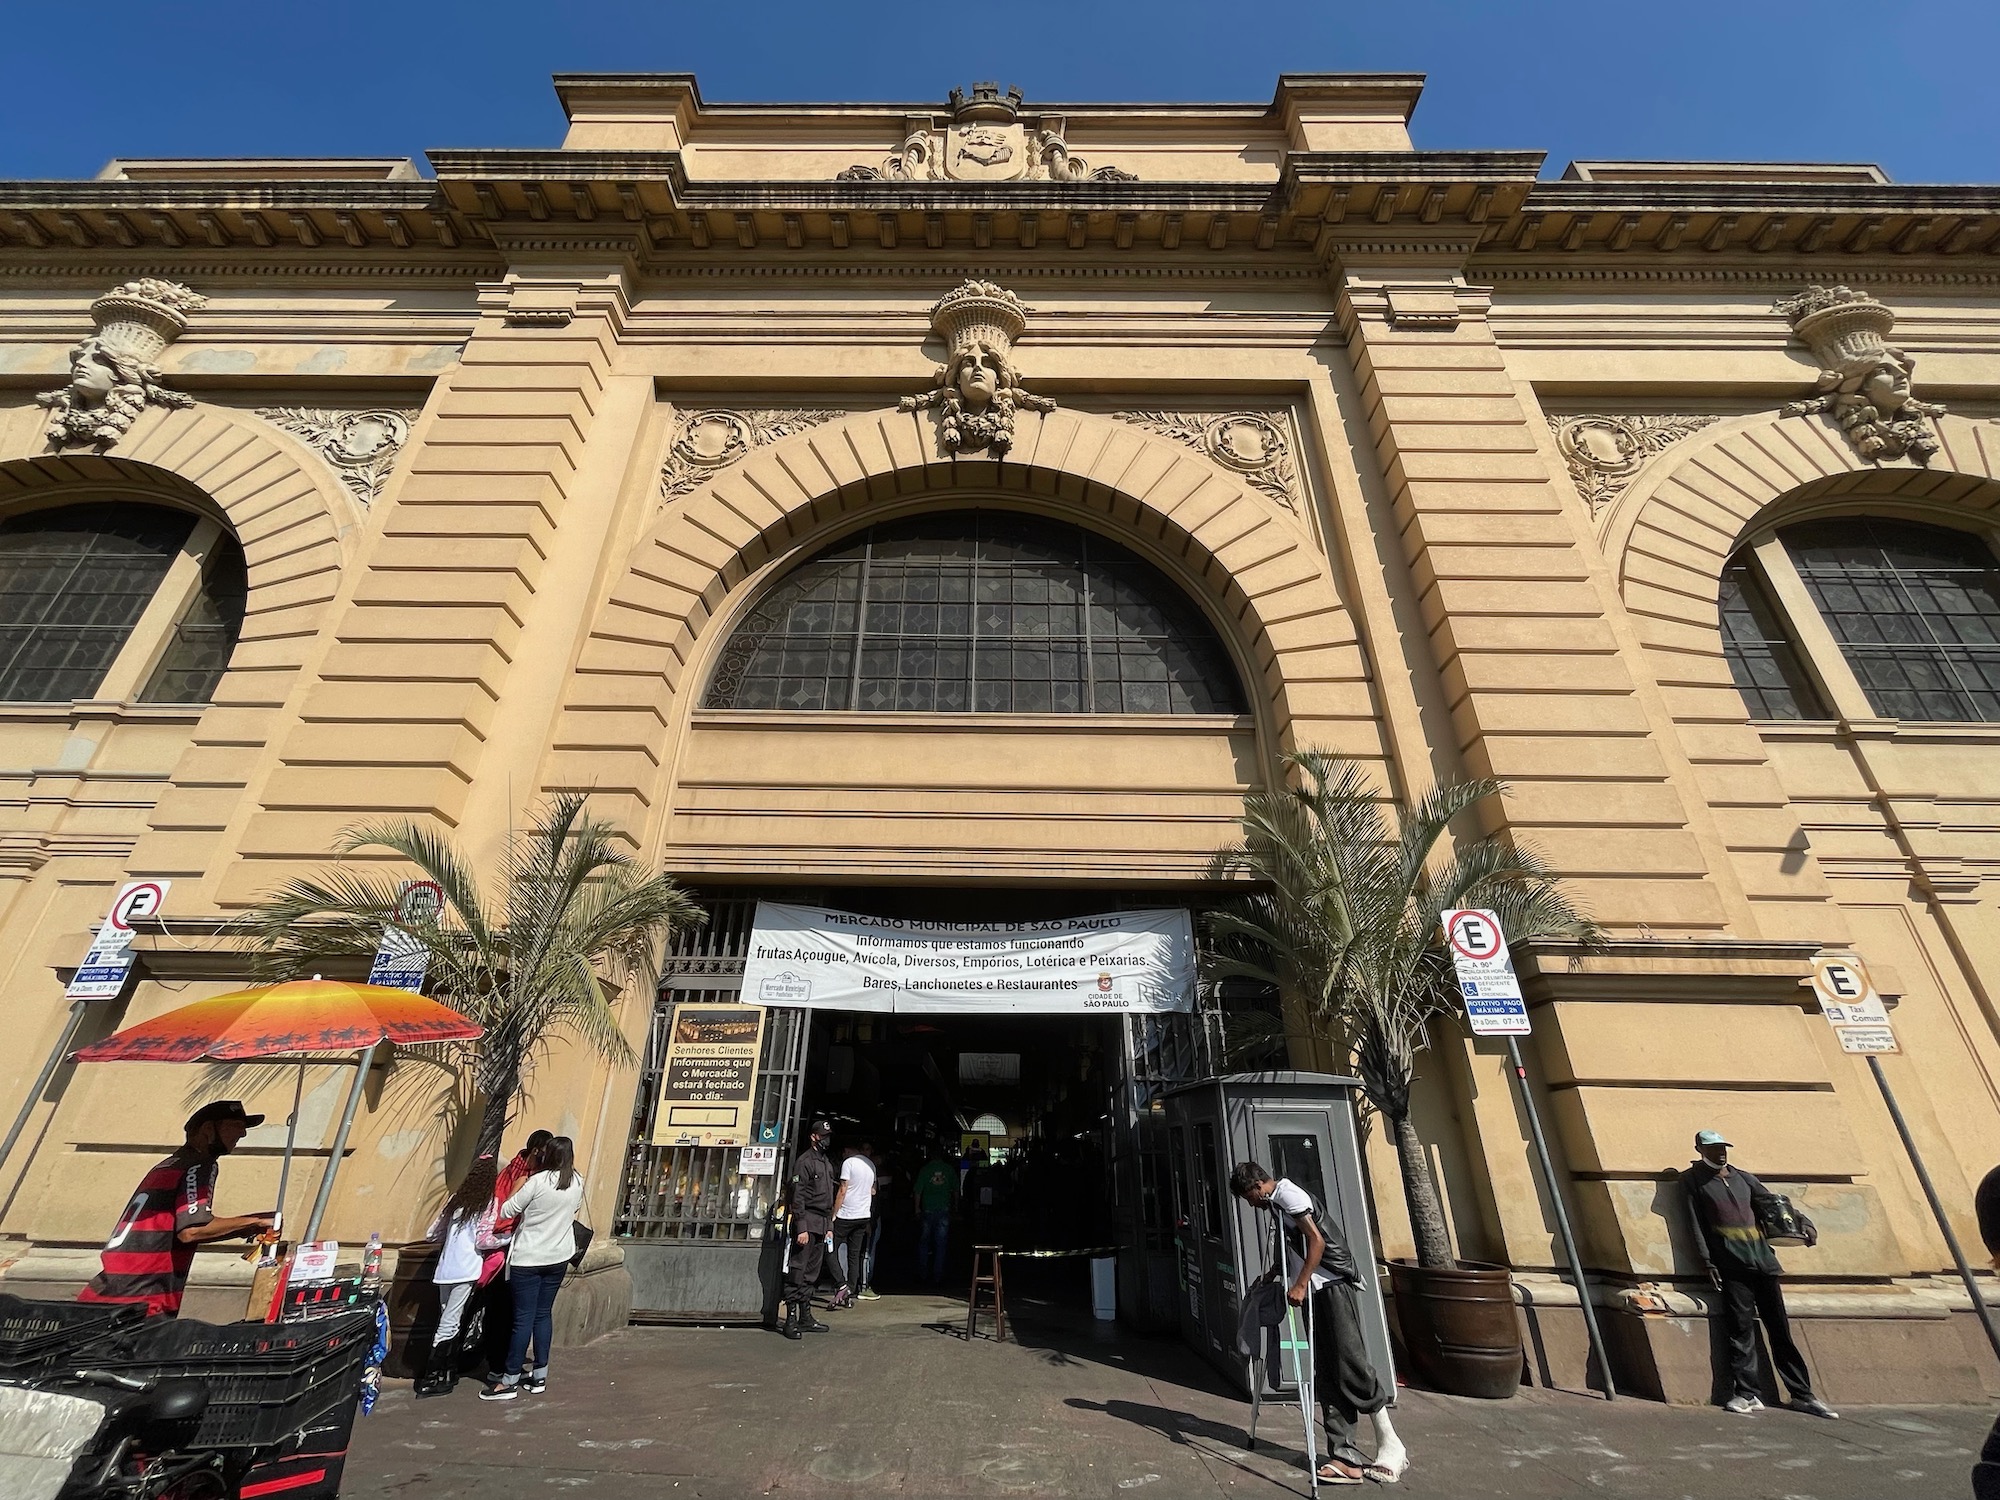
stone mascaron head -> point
(1866, 381)
(112, 376)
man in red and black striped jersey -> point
(149, 1253)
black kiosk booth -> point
(1300, 1126)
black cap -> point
(222, 1109)
(821, 1127)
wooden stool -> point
(986, 1253)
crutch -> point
(1302, 1362)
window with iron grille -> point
(976, 612)
(1915, 609)
(1762, 657)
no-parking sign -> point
(101, 975)
(1485, 973)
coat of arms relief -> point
(987, 139)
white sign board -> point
(1125, 961)
(1485, 973)
(758, 1161)
(402, 960)
(101, 975)
(314, 1261)
(1848, 1000)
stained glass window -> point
(1915, 610)
(205, 635)
(976, 612)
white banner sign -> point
(836, 960)
(1485, 973)
(1848, 1000)
(101, 975)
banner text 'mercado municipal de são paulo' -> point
(1130, 961)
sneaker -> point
(535, 1382)
(505, 1390)
(1742, 1406)
(1812, 1406)
(869, 1294)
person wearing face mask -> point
(1722, 1204)
(815, 1189)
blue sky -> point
(1910, 86)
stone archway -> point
(1668, 540)
(1257, 570)
(295, 522)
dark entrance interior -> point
(1023, 1105)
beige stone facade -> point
(1452, 458)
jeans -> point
(933, 1239)
(535, 1289)
(850, 1246)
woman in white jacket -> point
(544, 1243)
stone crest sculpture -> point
(1604, 453)
(112, 377)
(987, 139)
(1252, 443)
(977, 390)
(361, 445)
(704, 443)
(1866, 383)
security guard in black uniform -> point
(814, 1188)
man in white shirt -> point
(1315, 1262)
(853, 1208)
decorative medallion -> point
(361, 445)
(1251, 443)
(704, 443)
(1865, 386)
(987, 139)
(1604, 453)
(112, 377)
(978, 390)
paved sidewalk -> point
(891, 1404)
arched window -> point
(1915, 610)
(976, 612)
(1897, 619)
(75, 583)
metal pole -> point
(291, 1140)
(49, 1067)
(1562, 1222)
(339, 1145)
(1937, 1209)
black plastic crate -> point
(36, 1337)
(265, 1380)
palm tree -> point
(1346, 923)
(573, 921)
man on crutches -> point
(1323, 1319)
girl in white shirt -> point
(465, 1228)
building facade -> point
(978, 498)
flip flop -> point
(1335, 1472)
(1385, 1474)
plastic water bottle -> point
(371, 1262)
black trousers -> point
(1748, 1296)
(850, 1239)
(1347, 1385)
(802, 1280)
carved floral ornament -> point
(986, 140)
(1865, 386)
(706, 442)
(1605, 453)
(112, 377)
(360, 445)
(978, 390)
(1252, 443)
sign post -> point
(1858, 1017)
(1494, 1006)
(101, 976)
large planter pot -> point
(1459, 1327)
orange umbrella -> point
(305, 1015)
